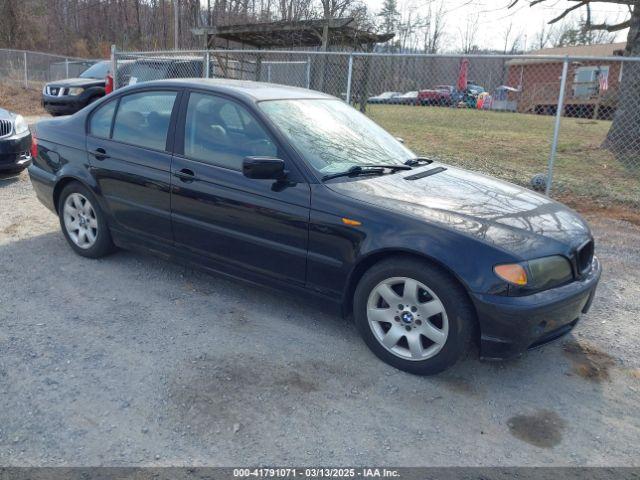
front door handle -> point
(100, 153)
(185, 175)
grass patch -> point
(515, 146)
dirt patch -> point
(214, 394)
(589, 207)
(542, 429)
(458, 385)
(11, 229)
(634, 373)
(20, 100)
(589, 362)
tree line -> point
(87, 28)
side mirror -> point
(263, 168)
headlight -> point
(538, 274)
(549, 271)
(75, 91)
(20, 125)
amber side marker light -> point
(512, 273)
(352, 223)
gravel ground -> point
(131, 360)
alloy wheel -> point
(407, 318)
(80, 220)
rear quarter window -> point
(100, 123)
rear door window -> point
(143, 119)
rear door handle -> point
(100, 153)
(185, 175)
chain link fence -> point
(527, 119)
(34, 69)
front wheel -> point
(83, 222)
(413, 315)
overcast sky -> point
(494, 17)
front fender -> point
(340, 252)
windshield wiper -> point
(366, 170)
(418, 161)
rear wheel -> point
(12, 171)
(413, 315)
(83, 223)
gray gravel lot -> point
(131, 360)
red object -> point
(34, 146)
(603, 79)
(438, 95)
(108, 86)
(463, 76)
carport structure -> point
(337, 33)
(325, 73)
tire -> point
(12, 171)
(94, 241)
(452, 327)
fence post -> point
(349, 75)
(258, 67)
(208, 64)
(556, 129)
(26, 75)
(114, 66)
(66, 67)
(308, 71)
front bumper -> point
(15, 152)
(65, 105)
(512, 325)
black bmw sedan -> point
(15, 142)
(295, 189)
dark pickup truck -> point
(64, 97)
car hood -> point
(77, 82)
(507, 216)
(6, 114)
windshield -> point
(332, 136)
(146, 71)
(98, 70)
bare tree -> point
(435, 27)
(512, 40)
(622, 139)
(469, 33)
(89, 27)
(544, 37)
(332, 9)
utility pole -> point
(176, 14)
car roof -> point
(168, 59)
(255, 91)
